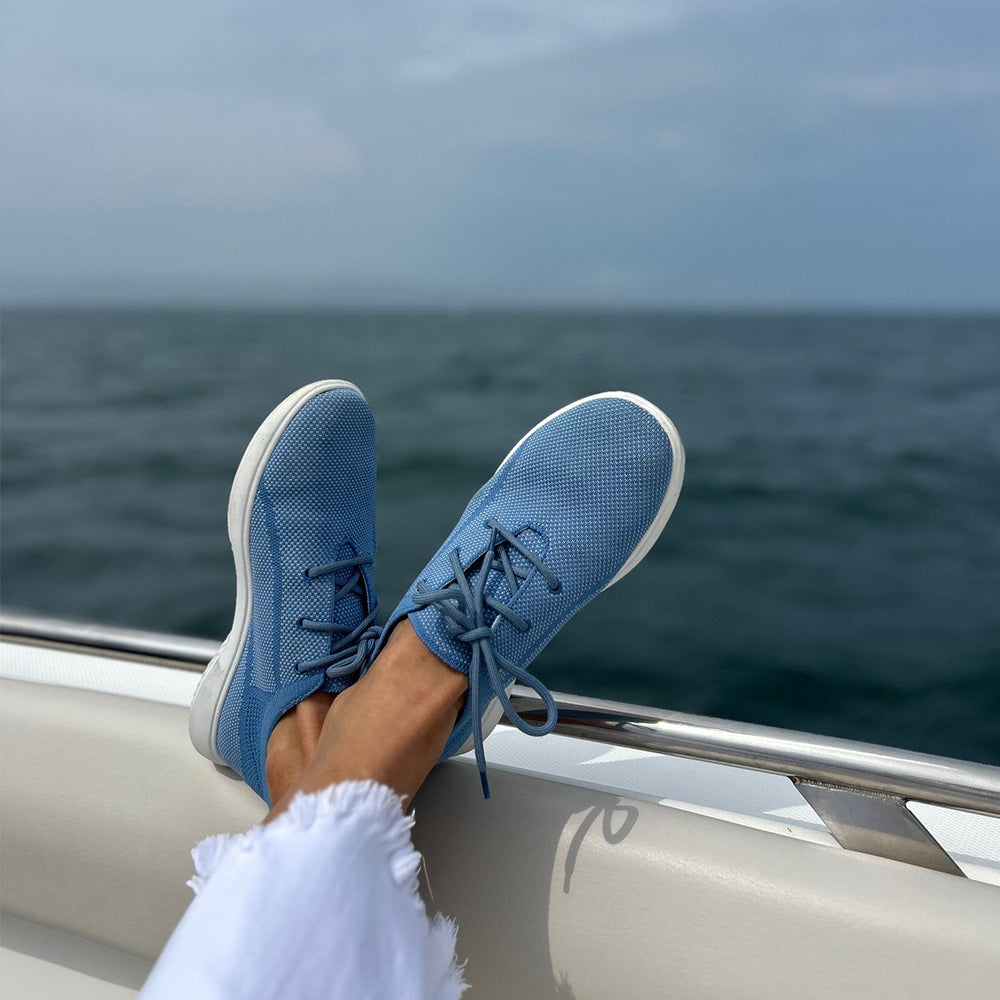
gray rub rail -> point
(858, 789)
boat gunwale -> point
(802, 757)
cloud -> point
(459, 39)
(720, 150)
(913, 87)
(113, 148)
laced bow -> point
(350, 652)
(464, 605)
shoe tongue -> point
(497, 586)
(349, 609)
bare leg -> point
(390, 727)
(293, 742)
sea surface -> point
(833, 563)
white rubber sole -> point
(206, 706)
(494, 711)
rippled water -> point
(833, 563)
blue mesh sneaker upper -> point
(311, 556)
(573, 507)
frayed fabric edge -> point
(442, 932)
(392, 828)
(377, 801)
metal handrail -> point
(800, 756)
(186, 652)
(860, 766)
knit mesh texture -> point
(580, 491)
(315, 504)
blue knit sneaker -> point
(302, 528)
(574, 507)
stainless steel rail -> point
(859, 790)
(805, 756)
(182, 651)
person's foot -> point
(302, 528)
(574, 507)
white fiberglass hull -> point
(594, 871)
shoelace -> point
(350, 652)
(463, 606)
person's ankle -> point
(292, 743)
(411, 669)
(390, 727)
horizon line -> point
(443, 305)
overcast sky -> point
(721, 152)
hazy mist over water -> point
(832, 564)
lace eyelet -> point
(556, 588)
(298, 624)
(306, 574)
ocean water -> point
(833, 563)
